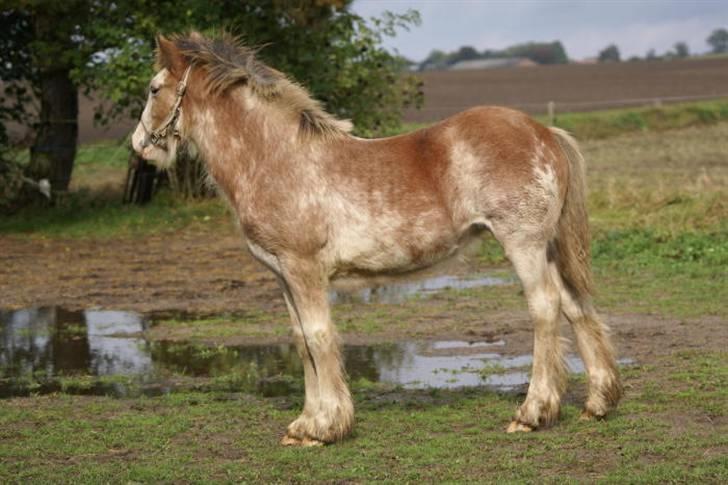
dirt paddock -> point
(197, 274)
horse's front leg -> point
(328, 413)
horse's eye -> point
(154, 90)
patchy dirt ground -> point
(184, 272)
(195, 274)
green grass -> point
(684, 275)
(93, 207)
(609, 123)
(219, 327)
(100, 164)
(647, 271)
(97, 164)
(93, 215)
(110, 153)
(670, 428)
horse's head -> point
(225, 79)
(162, 124)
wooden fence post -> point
(551, 110)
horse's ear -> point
(168, 56)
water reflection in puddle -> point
(399, 291)
(41, 348)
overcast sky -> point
(583, 26)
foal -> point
(316, 203)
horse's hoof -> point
(518, 427)
(311, 442)
(587, 415)
(290, 441)
(305, 442)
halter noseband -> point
(158, 137)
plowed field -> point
(573, 87)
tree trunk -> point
(54, 149)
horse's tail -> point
(573, 236)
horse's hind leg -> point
(605, 388)
(548, 378)
(328, 413)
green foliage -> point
(609, 54)
(11, 180)
(538, 52)
(467, 53)
(437, 59)
(15, 70)
(47, 37)
(681, 50)
(335, 53)
(718, 41)
(107, 47)
(341, 61)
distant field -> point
(573, 87)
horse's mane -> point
(228, 63)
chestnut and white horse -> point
(316, 203)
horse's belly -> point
(386, 248)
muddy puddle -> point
(104, 352)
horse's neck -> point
(237, 143)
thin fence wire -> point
(655, 100)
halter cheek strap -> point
(158, 137)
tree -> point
(51, 47)
(42, 51)
(718, 41)
(609, 54)
(107, 47)
(436, 59)
(465, 53)
(681, 50)
(539, 52)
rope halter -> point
(158, 137)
